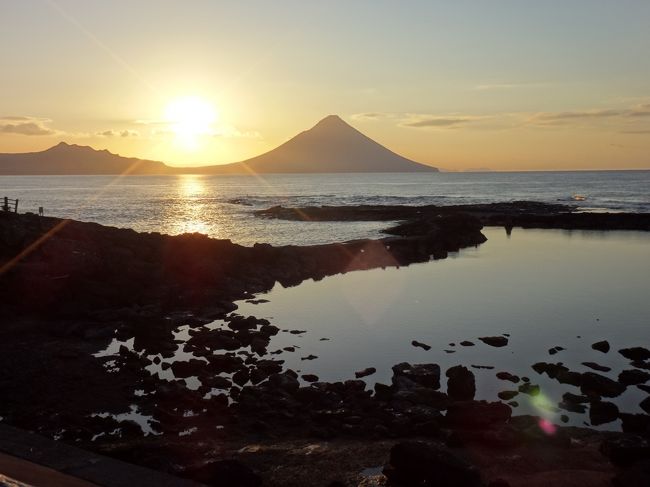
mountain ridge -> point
(330, 146)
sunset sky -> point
(507, 85)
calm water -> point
(221, 205)
(543, 287)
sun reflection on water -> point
(189, 212)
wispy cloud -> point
(422, 120)
(19, 125)
(586, 117)
(505, 86)
(440, 122)
(119, 133)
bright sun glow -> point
(190, 118)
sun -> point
(190, 118)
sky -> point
(504, 84)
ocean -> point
(221, 206)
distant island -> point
(331, 146)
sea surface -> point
(221, 205)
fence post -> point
(16, 206)
(5, 206)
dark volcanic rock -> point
(190, 368)
(602, 412)
(530, 389)
(421, 345)
(365, 372)
(602, 346)
(595, 366)
(461, 385)
(467, 343)
(598, 385)
(429, 465)
(495, 341)
(633, 377)
(554, 350)
(508, 376)
(309, 377)
(426, 375)
(635, 353)
(507, 395)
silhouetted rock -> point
(633, 377)
(635, 353)
(429, 465)
(602, 412)
(495, 341)
(365, 372)
(598, 385)
(595, 366)
(461, 385)
(467, 343)
(530, 389)
(602, 346)
(554, 350)
(424, 346)
(507, 395)
(309, 377)
(427, 375)
(508, 376)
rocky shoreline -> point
(71, 290)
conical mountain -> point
(330, 146)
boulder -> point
(598, 385)
(495, 341)
(365, 372)
(508, 376)
(426, 375)
(602, 346)
(602, 412)
(635, 353)
(633, 377)
(461, 385)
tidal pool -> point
(544, 288)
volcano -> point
(331, 145)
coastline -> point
(86, 284)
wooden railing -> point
(9, 203)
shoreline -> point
(87, 284)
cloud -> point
(506, 86)
(562, 117)
(119, 133)
(371, 116)
(636, 132)
(438, 122)
(19, 125)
